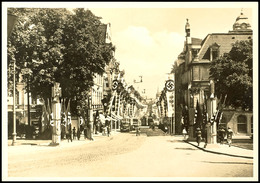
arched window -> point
(241, 124)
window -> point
(241, 124)
(225, 54)
(214, 54)
(200, 73)
(204, 72)
(194, 52)
(196, 73)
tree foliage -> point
(233, 75)
(55, 45)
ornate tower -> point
(187, 30)
(241, 24)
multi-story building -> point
(193, 83)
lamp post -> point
(213, 110)
(11, 20)
(28, 85)
(14, 111)
(56, 94)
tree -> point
(55, 45)
(233, 77)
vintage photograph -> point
(130, 91)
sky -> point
(149, 40)
(149, 36)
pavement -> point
(64, 143)
(223, 149)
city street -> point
(124, 155)
(139, 91)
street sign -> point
(114, 84)
(169, 85)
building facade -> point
(193, 83)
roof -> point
(224, 40)
(196, 41)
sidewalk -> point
(223, 149)
(23, 144)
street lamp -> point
(11, 20)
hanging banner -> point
(114, 84)
(169, 85)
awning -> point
(103, 118)
(116, 117)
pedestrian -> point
(78, 134)
(102, 126)
(69, 134)
(137, 131)
(184, 133)
(108, 124)
(108, 130)
(85, 132)
(165, 129)
(229, 136)
(222, 134)
(74, 133)
(198, 136)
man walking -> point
(74, 133)
(69, 134)
(229, 136)
(198, 136)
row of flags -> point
(201, 115)
(47, 115)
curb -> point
(239, 156)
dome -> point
(242, 23)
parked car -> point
(125, 127)
(150, 121)
(135, 123)
(36, 129)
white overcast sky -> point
(149, 36)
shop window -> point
(241, 124)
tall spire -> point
(187, 30)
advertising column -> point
(56, 108)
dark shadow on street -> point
(227, 162)
(185, 148)
(175, 141)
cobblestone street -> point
(125, 155)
